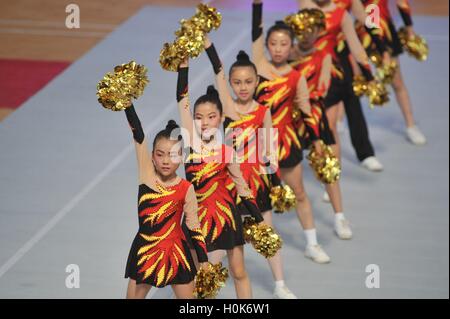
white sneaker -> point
(283, 293)
(372, 164)
(342, 229)
(415, 136)
(317, 254)
(326, 197)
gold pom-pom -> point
(209, 281)
(117, 89)
(283, 199)
(416, 46)
(326, 167)
(359, 85)
(305, 21)
(190, 37)
(207, 18)
(377, 93)
(262, 237)
(375, 90)
(385, 72)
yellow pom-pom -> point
(262, 237)
(416, 46)
(283, 199)
(190, 37)
(209, 281)
(305, 21)
(326, 167)
(117, 89)
(377, 93)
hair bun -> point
(280, 23)
(172, 125)
(212, 91)
(243, 56)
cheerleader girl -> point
(315, 66)
(160, 254)
(209, 166)
(358, 129)
(280, 86)
(391, 40)
(248, 126)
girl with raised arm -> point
(248, 127)
(209, 166)
(160, 254)
(280, 85)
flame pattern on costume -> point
(315, 125)
(160, 254)
(279, 95)
(218, 213)
(386, 31)
(243, 135)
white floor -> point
(68, 181)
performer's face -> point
(244, 81)
(207, 120)
(308, 39)
(167, 156)
(279, 45)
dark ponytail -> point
(280, 26)
(243, 60)
(211, 96)
(167, 132)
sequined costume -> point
(209, 169)
(160, 254)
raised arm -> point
(184, 108)
(145, 164)
(258, 55)
(221, 81)
(190, 209)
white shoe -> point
(342, 229)
(317, 254)
(283, 293)
(372, 164)
(415, 136)
(326, 197)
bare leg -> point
(185, 291)
(238, 272)
(142, 291)
(403, 99)
(334, 191)
(294, 179)
(216, 256)
(332, 115)
(341, 112)
(275, 262)
(131, 289)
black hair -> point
(243, 60)
(167, 132)
(211, 96)
(280, 26)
